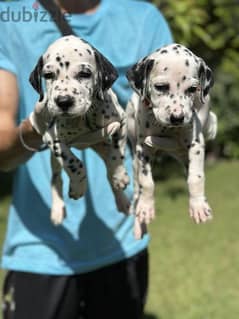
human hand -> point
(40, 118)
(166, 144)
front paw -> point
(145, 211)
(199, 210)
(58, 213)
(139, 228)
(77, 187)
(120, 179)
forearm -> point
(12, 151)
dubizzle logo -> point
(34, 13)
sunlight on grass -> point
(194, 268)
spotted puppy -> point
(170, 113)
(76, 103)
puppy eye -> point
(191, 89)
(84, 74)
(49, 75)
(163, 88)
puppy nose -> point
(177, 119)
(64, 101)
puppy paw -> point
(122, 202)
(77, 188)
(139, 229)
(120, 178)
(57, 215)
(199, 210)
(145, 211)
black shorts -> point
(113, 292)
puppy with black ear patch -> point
(169, 112)
(77, 108)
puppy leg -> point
(113, 155)
(58, 211)
(70, 163)
(199, 208)
(144, 198)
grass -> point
(194, 271)
(194, 268)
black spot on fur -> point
(145, 171)
(187, 63)
(164, 51)
(63, 155)
(146, 158)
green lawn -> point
(194, 268)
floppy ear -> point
(107, 73)
(35, 78)
(205, 79)
(138, 76)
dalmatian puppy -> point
(169, 112)
(77, 108)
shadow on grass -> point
(175, 191)
(166, 167)
(150, 316)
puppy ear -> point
(35, 78)
(138, 76)
(107, 73)
(205, 79)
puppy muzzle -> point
(65, 102)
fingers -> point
(39, 117)
(112, 128)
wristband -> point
(27, 147)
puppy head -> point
(168, 81)
(71, 73)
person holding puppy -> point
(91, 265)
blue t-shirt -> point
(93, 234)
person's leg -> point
(29, 296)
(117, 291)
